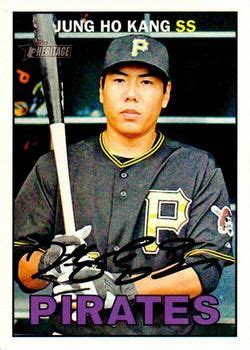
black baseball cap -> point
(137, 48)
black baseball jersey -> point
(172, 192)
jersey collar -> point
(135, 160)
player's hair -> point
(152, 71)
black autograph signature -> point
(177, 247)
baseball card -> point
(124, 174)
(150, 247)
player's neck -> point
(127, 146)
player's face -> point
(132, 99)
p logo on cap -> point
(139, 45)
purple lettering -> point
(148, 301)
(121, 304)
(36, 309)
(89, 305)
(66, 309)
(170, 310)
(213, 313)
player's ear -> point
(166, 96)
(101, 90)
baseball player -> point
(128, 184)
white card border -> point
(243, 338)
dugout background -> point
(202, 109)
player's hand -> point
(55, 251)
(103, 286)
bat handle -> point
(60, 150)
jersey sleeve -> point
(210, 226)
(35, 210)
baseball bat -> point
(44, 32)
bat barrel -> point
(45, 33)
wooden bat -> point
(44, 31)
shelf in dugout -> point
(102, 120)
(175, 35)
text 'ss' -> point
(185, 26)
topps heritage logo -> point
(40, 48)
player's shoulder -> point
(88, 144)
(73, 150)
(190, 153)
(84, 151)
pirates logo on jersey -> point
(164, 210)
(224, 223)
